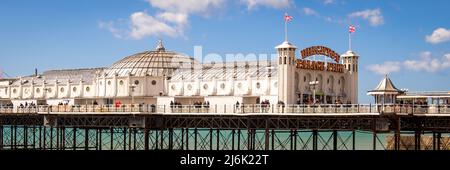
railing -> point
(240, 109)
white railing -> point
(240, 109)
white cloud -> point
(386, 68)
(176, 18)
(309, 11)
(373, 16)
(446, 62)
(111, 27)
(327, 2)
(438, 36)
(171, 20)
(428, 63)
(278, 4)
(199, 7)
(143, 25)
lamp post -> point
(314, 83)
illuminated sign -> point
(320, 50)
(334, 67)
(318, 65)
(310, 65)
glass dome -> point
(151, 63)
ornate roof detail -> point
(385, 87)
(286, 44)
(160, 46)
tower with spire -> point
(286, 67)
(350, 61)
(286, 70)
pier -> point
(195, 127)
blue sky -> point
(410, 40)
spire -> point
(160, 46)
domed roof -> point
(349, 53)
(285, 44)
(151, 63)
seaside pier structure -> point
(162, 100)
(253, 127)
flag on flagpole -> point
(287, 18)
(351, 29)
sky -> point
(409, 40)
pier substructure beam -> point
(291, 139)
(170, 139)
(335, 140)
(182, 139)
(86, 139)
(439, 141)
(210, 139)
(44, 140)
(195, 138)
(232, 139)
(239, 139)
(353, 140)
(130, 133)
(187, 138)
(124, 138)
(161, 131)
(146, 136)
(63, 138)
(25, 136)
(111, 145)
(295, 139)
(74, 144)
(417, 139)
(374, 142)
(273, 139)
(100, 143)
(40, 137)
(34, 137)
(14, 138)
(1, 137)
(266, 139)
(315, 141)
(218, 139)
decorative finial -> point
(160, 46)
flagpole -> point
(285, 31)
(350, 41)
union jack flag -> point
(351, 29)
(287, 18)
